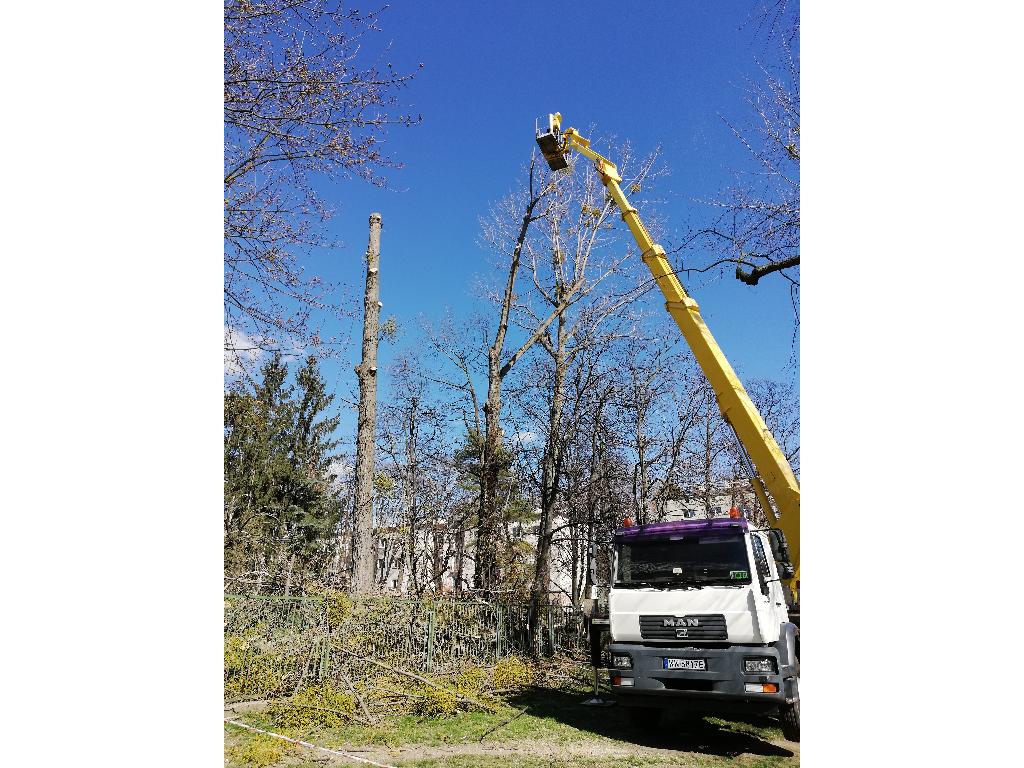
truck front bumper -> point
(721, 686)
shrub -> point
(513, 672)
(250, 672)
(315, 706)
(471, 681)
(258, 751)
(339, 607)
(432, 702)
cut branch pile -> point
(335, 663)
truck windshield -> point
(693, 560)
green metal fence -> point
(274, 645)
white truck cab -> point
(698, 617)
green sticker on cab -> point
(737, 574)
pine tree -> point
(279, 500)
(313, 500)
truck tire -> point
(789, 714)
(644, 717)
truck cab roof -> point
(680, 528)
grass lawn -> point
(539, 727)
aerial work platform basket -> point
(550, 143)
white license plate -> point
(701, 664)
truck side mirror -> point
(786, 570)
(780, 549)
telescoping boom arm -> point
(773, 474)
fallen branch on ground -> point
(357, 697)
(459, 696)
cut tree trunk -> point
(364, 551)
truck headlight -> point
(752, 666)
(622, 660)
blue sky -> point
(655, 73)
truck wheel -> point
(645, 717)
(790, 717)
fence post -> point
(325, 651)
(551, 634)
(498, 632)
(430, 641)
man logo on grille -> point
(681, 621)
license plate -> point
(700, 664)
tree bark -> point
(641, 491)
(364, 553)
(549, 488)
(288, 578)
(486, 574)
(756, 273)
(460, 557)
(437, 560)
(410, 498)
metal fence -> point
(274, 645)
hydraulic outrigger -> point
(773, 476)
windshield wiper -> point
(666, 584)
(654, 585)
(684, 583)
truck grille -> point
(697, 626)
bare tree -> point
(656, 405)
(300, 104)
(779, 405)
(758, 227)
(569, 461)
(464, 347)
(505, 231)
(709, 451)
(413, 434)
(580, 268)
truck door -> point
(770, 588)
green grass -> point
(253, 750)
(553, 718)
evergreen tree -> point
(279, 501)
(313, 501)
(256, 426)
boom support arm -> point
(774, 476)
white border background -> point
(911, 390)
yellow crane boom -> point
(773, 476)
